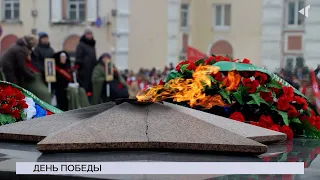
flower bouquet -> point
(18, 104)
(240, 91)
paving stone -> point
(247, 130)
(36, 129)
(155, 126)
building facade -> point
(222, 27)
(139, 33)
(288, 37)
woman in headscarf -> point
(64, 77)
(118, 86)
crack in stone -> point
(147, 126)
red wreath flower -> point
(12, 101)
(209, 60)
(260, 77)
(237, 116)
(218, 76)
(301, 101)
(251, 84)
(288, 91)
(246, 61)
(288, 131)
(191, 66)
(283, 103)
(15, 113)
(292, 112)
(312, 120)
(275, 127)
(265, 121)
(267, 96)
(180, 64)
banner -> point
(315, 88)
(194, 54)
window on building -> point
(222, 15)
(76, 10)
(11, 9)
(294, 18)
(184, 15)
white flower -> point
(252, 78)
(275, 99)
(31, 110)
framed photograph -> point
(109, 71)
(50, 70)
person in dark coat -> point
(64, 77)
(86, 59)
(42, 50)
(13, 61)
(118, 87)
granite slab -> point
(36, 129)
(155, 126)
(247, 130)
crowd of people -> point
(78, 83)
(300, 78)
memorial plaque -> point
(50, 71)
(109, 70)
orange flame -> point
(232, 81)
(186, 90)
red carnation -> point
(218, 76)
(288, 131)
(317, 125)
(209, 60)
(275, 127)
(15, 113)
(18, 95)
(267, 96)
(301, 101)
(12, 102)
(5, 108)
(265, 121)
(237, 116)
(2, 96)
(292, 112)
(261, 77)
(246, 61)
(312, 120)
(283, 103)
(251, 84)
(191, 66)
(23, 104)
(179, 65)
(288, 91)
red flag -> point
(315, 88)
(194, 54)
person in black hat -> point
(42, 50)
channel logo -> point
(305, 11)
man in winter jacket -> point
(43, 50)
(13, 61)
(86, 59)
